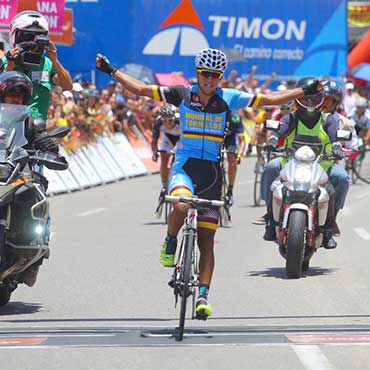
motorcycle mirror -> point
(59, 132)
(272, 125)
(344, 135)
(52, 161)
(19, 155)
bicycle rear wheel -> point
(185, 290)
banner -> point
(8, 9)
(290, 39)
(53, 10)
(359, 14)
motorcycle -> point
(24, 208)
(302, 202)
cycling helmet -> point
(28, 21)
(309, 105)
(167, 110)
(333, 90)
(15, 83)
(361, 102)
(212, 59)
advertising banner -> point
(290, 39)
(53, 10)
(133, 166)
(8, 9)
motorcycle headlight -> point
(302, 178)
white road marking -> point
(362, 233)
(312, 358)
(93, 211)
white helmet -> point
(28, 20)
(212, 59)
(361, 102)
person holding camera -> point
(28, 40)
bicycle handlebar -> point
(193, 201)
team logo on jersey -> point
(188, 40)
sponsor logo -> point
(188, 39)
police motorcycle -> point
(302, 200)
(24, 208)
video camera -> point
(31, 51)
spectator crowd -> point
(88, 111)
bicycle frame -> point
(185, 278)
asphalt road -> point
(102, 300)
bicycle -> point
(185, 278)
(361, 165)
(225, 216)
(162, 204)
(258, 170)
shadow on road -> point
(91, 320)
(154, 223)
(280, 273)
(20, 308)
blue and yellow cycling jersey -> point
(203, 127)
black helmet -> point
(15, 83)
(309, 105)
(332, 89)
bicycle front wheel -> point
(362, 166)
(257, 189)
(185, 290)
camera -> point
(31, 51)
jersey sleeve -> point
(240, 99)
(170, 94)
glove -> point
(337, 150)
(238, 158)
(272, 142)
(105, 66)
(313, 87)
(46, 144)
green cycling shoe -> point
(203, 309)
(168, 259)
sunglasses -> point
(214, 74)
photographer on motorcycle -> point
(308, 120)
(28, 41)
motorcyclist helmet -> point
(334, 91)
(211, 59)
(167, 110)
(26, 25)
(15, 83)
(309, 105)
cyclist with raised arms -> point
(167, 131)
(204, 112)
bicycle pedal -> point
(201, 316)
(171, 283)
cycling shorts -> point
(167, 143)
(199, 177)
(230, 144)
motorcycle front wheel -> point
(295, 244)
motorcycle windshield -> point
(12, 126)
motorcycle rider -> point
(16, 88)
(309, 120)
